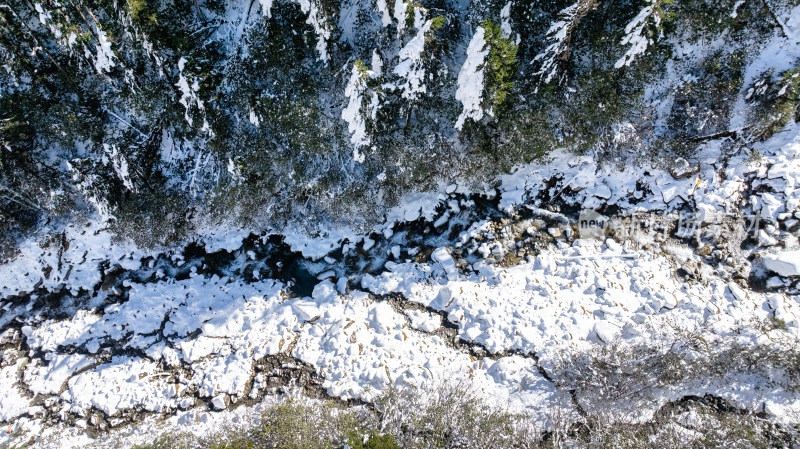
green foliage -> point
(55, 107)
(170, 441)
(778, 323)
(411, 12)
(437, 23)
(84, 38)
(599, 101)
(292, 426)
(446, 415)
(381, 442)
(363, 70)
(141, 12)
(235, 443)
(355, 440)
(500, 67)
(665, 14)
(788, 101)
(527, 136)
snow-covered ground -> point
(521, 294)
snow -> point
(400, 8)
(737, 292)
(606, 332)
(225, 374)
(123, 384)
(87, 245)
(778, 54)
(104, 60)
(366, 345)
(12, 403)
(786, 263)
(505, 20)
(266, 8)
(445, 260)
(44, 16)
(636, 36)
(357, 343)
(558, 37)
(218, 402)
(410, 67)
(424, 321)
(414, 206)
(315, 18)
(306, 310)
(356, 122)
(253, 118)
(189, 95)
(377, 63)
(568, 299)
(318, 21)
(565, 300)
(120, 165)
(386, 18)
(368, 244)
(316, 246)
(49, 379)
(470, 80)
(559, 298)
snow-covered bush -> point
(181, 88)
(627, 377)
(644, 30)
(775, 101)
(500, 67)
(484, 81)
(362, 106)
(559, 41)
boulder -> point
(681, 168)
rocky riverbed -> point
(502, 287)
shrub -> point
(140, 12)
(373, 441)
(448, 414)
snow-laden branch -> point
(636, 33)
(505, 20)
(120, 165)
(266, 8)
(470, 79)
(559, 37)
(411, 66)
(408, 13)
(356, 112)
(315, 18)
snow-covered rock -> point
(786, 263)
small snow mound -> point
(306, 310)
(605, 331)
(444, 258)
(786, 263)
